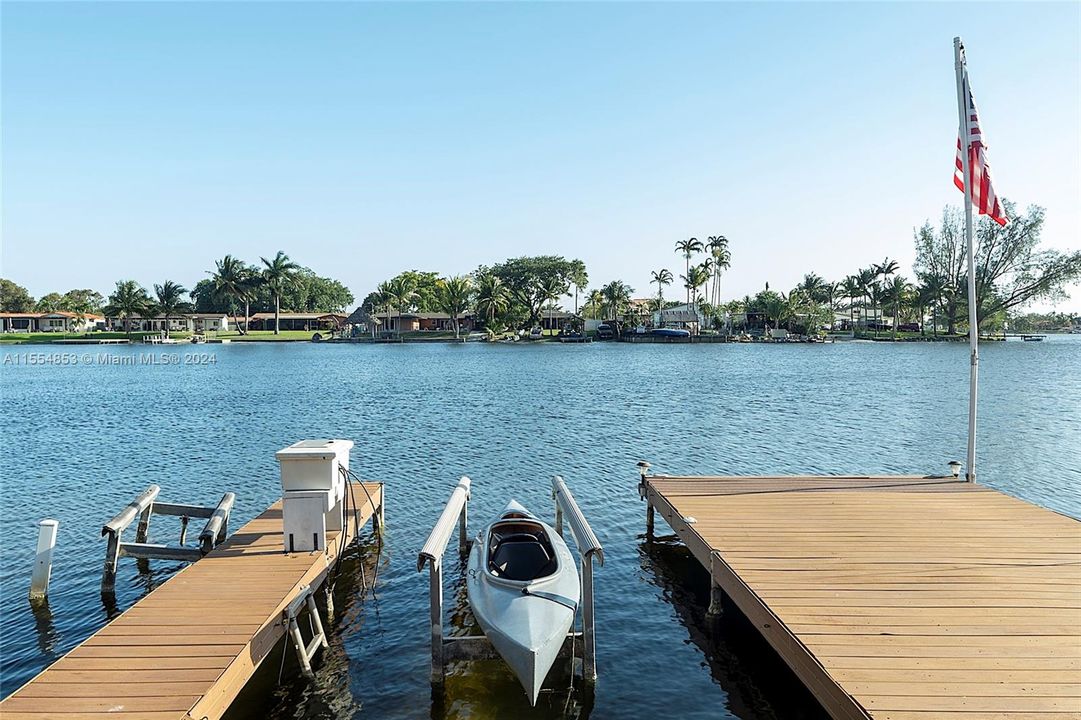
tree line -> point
(1011, 271)
(233, 285)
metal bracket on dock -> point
(456, 512)
(144, 507)
(305, 651)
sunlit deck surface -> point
(896, 598)
(186, 649)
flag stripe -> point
(983, 194)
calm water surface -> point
(77, 443)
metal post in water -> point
(559, 511)
(43, 561)
(463, 528)
(589, 638)
(435, 591)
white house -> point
(186, 322)
(60, 321)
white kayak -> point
(523, 588)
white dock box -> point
(312, 492)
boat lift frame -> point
(478, 647)
(144, 507)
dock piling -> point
(43, 561)
(643, 472)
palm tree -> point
(896, 294)
(403, 292)
(661, 278)
(551, 289)
(695, 279)
(717, 247)
(171, 301)
(850, 288)
(454, 297)
(776, 307)
(866, 278)
(595, 302)
(129, 299)
(875, 293)
(233, 279)
(930, 293)
(616, 295)
(493, 298)
(813, 285)
(689, 248)
(885, 269)
(278, 274)
(580, 279)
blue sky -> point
(144, 140)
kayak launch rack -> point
(477, 647)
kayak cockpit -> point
(520, 550)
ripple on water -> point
(79, 442)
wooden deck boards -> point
(897, 598)
(186, 649)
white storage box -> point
(312, 492)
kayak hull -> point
(525, 620)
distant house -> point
(555, 320)
(183, 323)
(685, 316)
(19, 322)
(209, 322)
(60, 321)
(297, 321)
(423, 321)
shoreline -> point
(9, 341)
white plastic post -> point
(43, 563)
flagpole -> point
(973, 322)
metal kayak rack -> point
(477, 647)
(144, 507)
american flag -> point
(983, 194)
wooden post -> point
(650, 512)
(183, 528)
(43, 562)
(435, 592)
(716, 592)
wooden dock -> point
(895, 598)
(185, 650)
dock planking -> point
(185, 650)
(896, 598)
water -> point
(78, 442)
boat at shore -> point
(524, 590)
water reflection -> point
(44, 627)
(757, 682)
